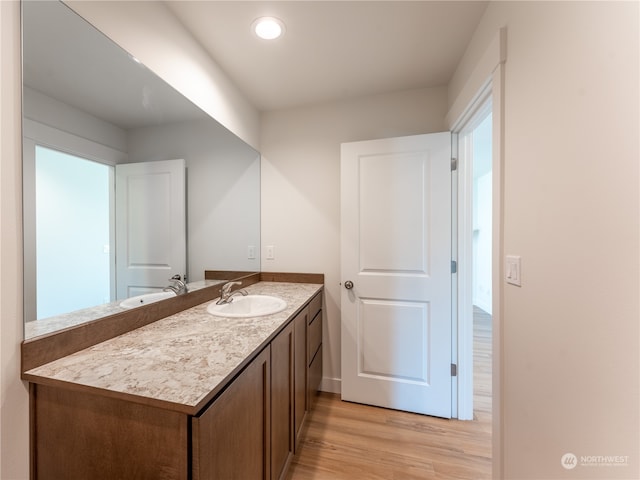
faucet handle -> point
(226, 288)
(176, 277)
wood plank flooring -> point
(348, 441)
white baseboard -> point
(331, 385)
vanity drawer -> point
(315, 376)
(315, 336)
(315, 305)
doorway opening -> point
(73, 198)
(475, 226)
(481, 266)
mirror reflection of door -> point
(73, 262)
(151, 228)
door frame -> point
(36, 133)
(463, 245)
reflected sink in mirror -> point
(145, 299)
(248, 306)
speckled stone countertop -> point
(35, 328)
(177, 362)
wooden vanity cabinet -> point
(79, 436)
(230, 439)
(249, 431)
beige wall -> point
(571, 158)
(14, 414)
(301, 185)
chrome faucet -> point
(177, 285)
(226, 296)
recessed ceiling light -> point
(268, 28)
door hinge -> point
(454, 164)
(454, 370)
(454, 266)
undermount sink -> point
(248, 306)
(146, 298)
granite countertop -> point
(177, 362)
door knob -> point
(348, 284)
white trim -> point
(331, 385)
(476, 112)
(478, 81)
(465, 286)
(497, 253)
(71, 143)
(455, 208)
(469, 118)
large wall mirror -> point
(103, 138)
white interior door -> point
(151, 229)
(396, 251)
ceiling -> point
(67, 59)
(332, 50)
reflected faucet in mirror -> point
(177, 285)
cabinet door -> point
(80, 436)
(281, 402)
(300, 372)
(231, 437)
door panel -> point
(392, 227)
(396, 249)
(392, 339)
(150, 225)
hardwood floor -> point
(349, 441)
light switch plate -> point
(513, 270)
(270, 252)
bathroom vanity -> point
(187, 396)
